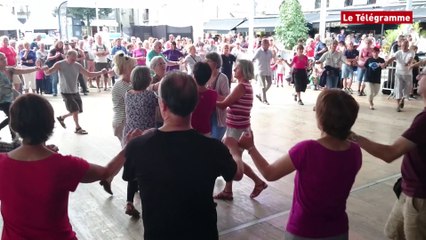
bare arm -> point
(88, 74)
(271, 172)
(236, 94)
(51, 70)
(96, 172)
(387, 153)
(24, 70)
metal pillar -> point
(323, 15)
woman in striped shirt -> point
(239, 104)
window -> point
(348, 3)
(318, 3)
(371, 1)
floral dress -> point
(140, 110)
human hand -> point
(53, 147)
(104, 71)
(133, 134)
(246, 140)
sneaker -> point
(359, 93)
(295, 97)
(350, 90)
(363, 93)
(398, 109)
(300, 102)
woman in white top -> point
(191, 59)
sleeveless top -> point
(238, 114)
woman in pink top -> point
(140, 54)
(239, 104)
(325, 170)
(35, 181)
(300, 76)
(365, 53)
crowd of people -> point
(181, 126)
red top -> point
(201, 117)
(34, 196)
(300, 62)
(310, 51)
(10, 55)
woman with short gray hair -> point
(218, 82)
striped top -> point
(238, 114)
(118, 91)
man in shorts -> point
(101, 52)
(69, 70)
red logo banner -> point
(376, 17)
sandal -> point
(80, 131)
(106, 185)
(131, 210)
(258, 189)
(226, 196)
(61, 121)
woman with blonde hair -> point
(123, 66)
(238, 105)
(191, 59)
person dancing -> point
(239, 104)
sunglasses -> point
(122, 55)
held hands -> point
(104, 71)
(246, 140)
(53, 147)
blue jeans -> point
(217, 132)
(55, 80)
(360, 74)
(332, 81)
(47, 85)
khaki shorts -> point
(73, 102)
(407, 219)
(16, 79)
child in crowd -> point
(325, 170)
(39, 81)
(373, 75)
(280, 71)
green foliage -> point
(88, 13)
(392, 34)
(292, 24)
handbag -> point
(397, 188)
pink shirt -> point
(34, 196)
(140, 53)
(322, 185)
(300, 62)
(201, 117)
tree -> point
(292, 24)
